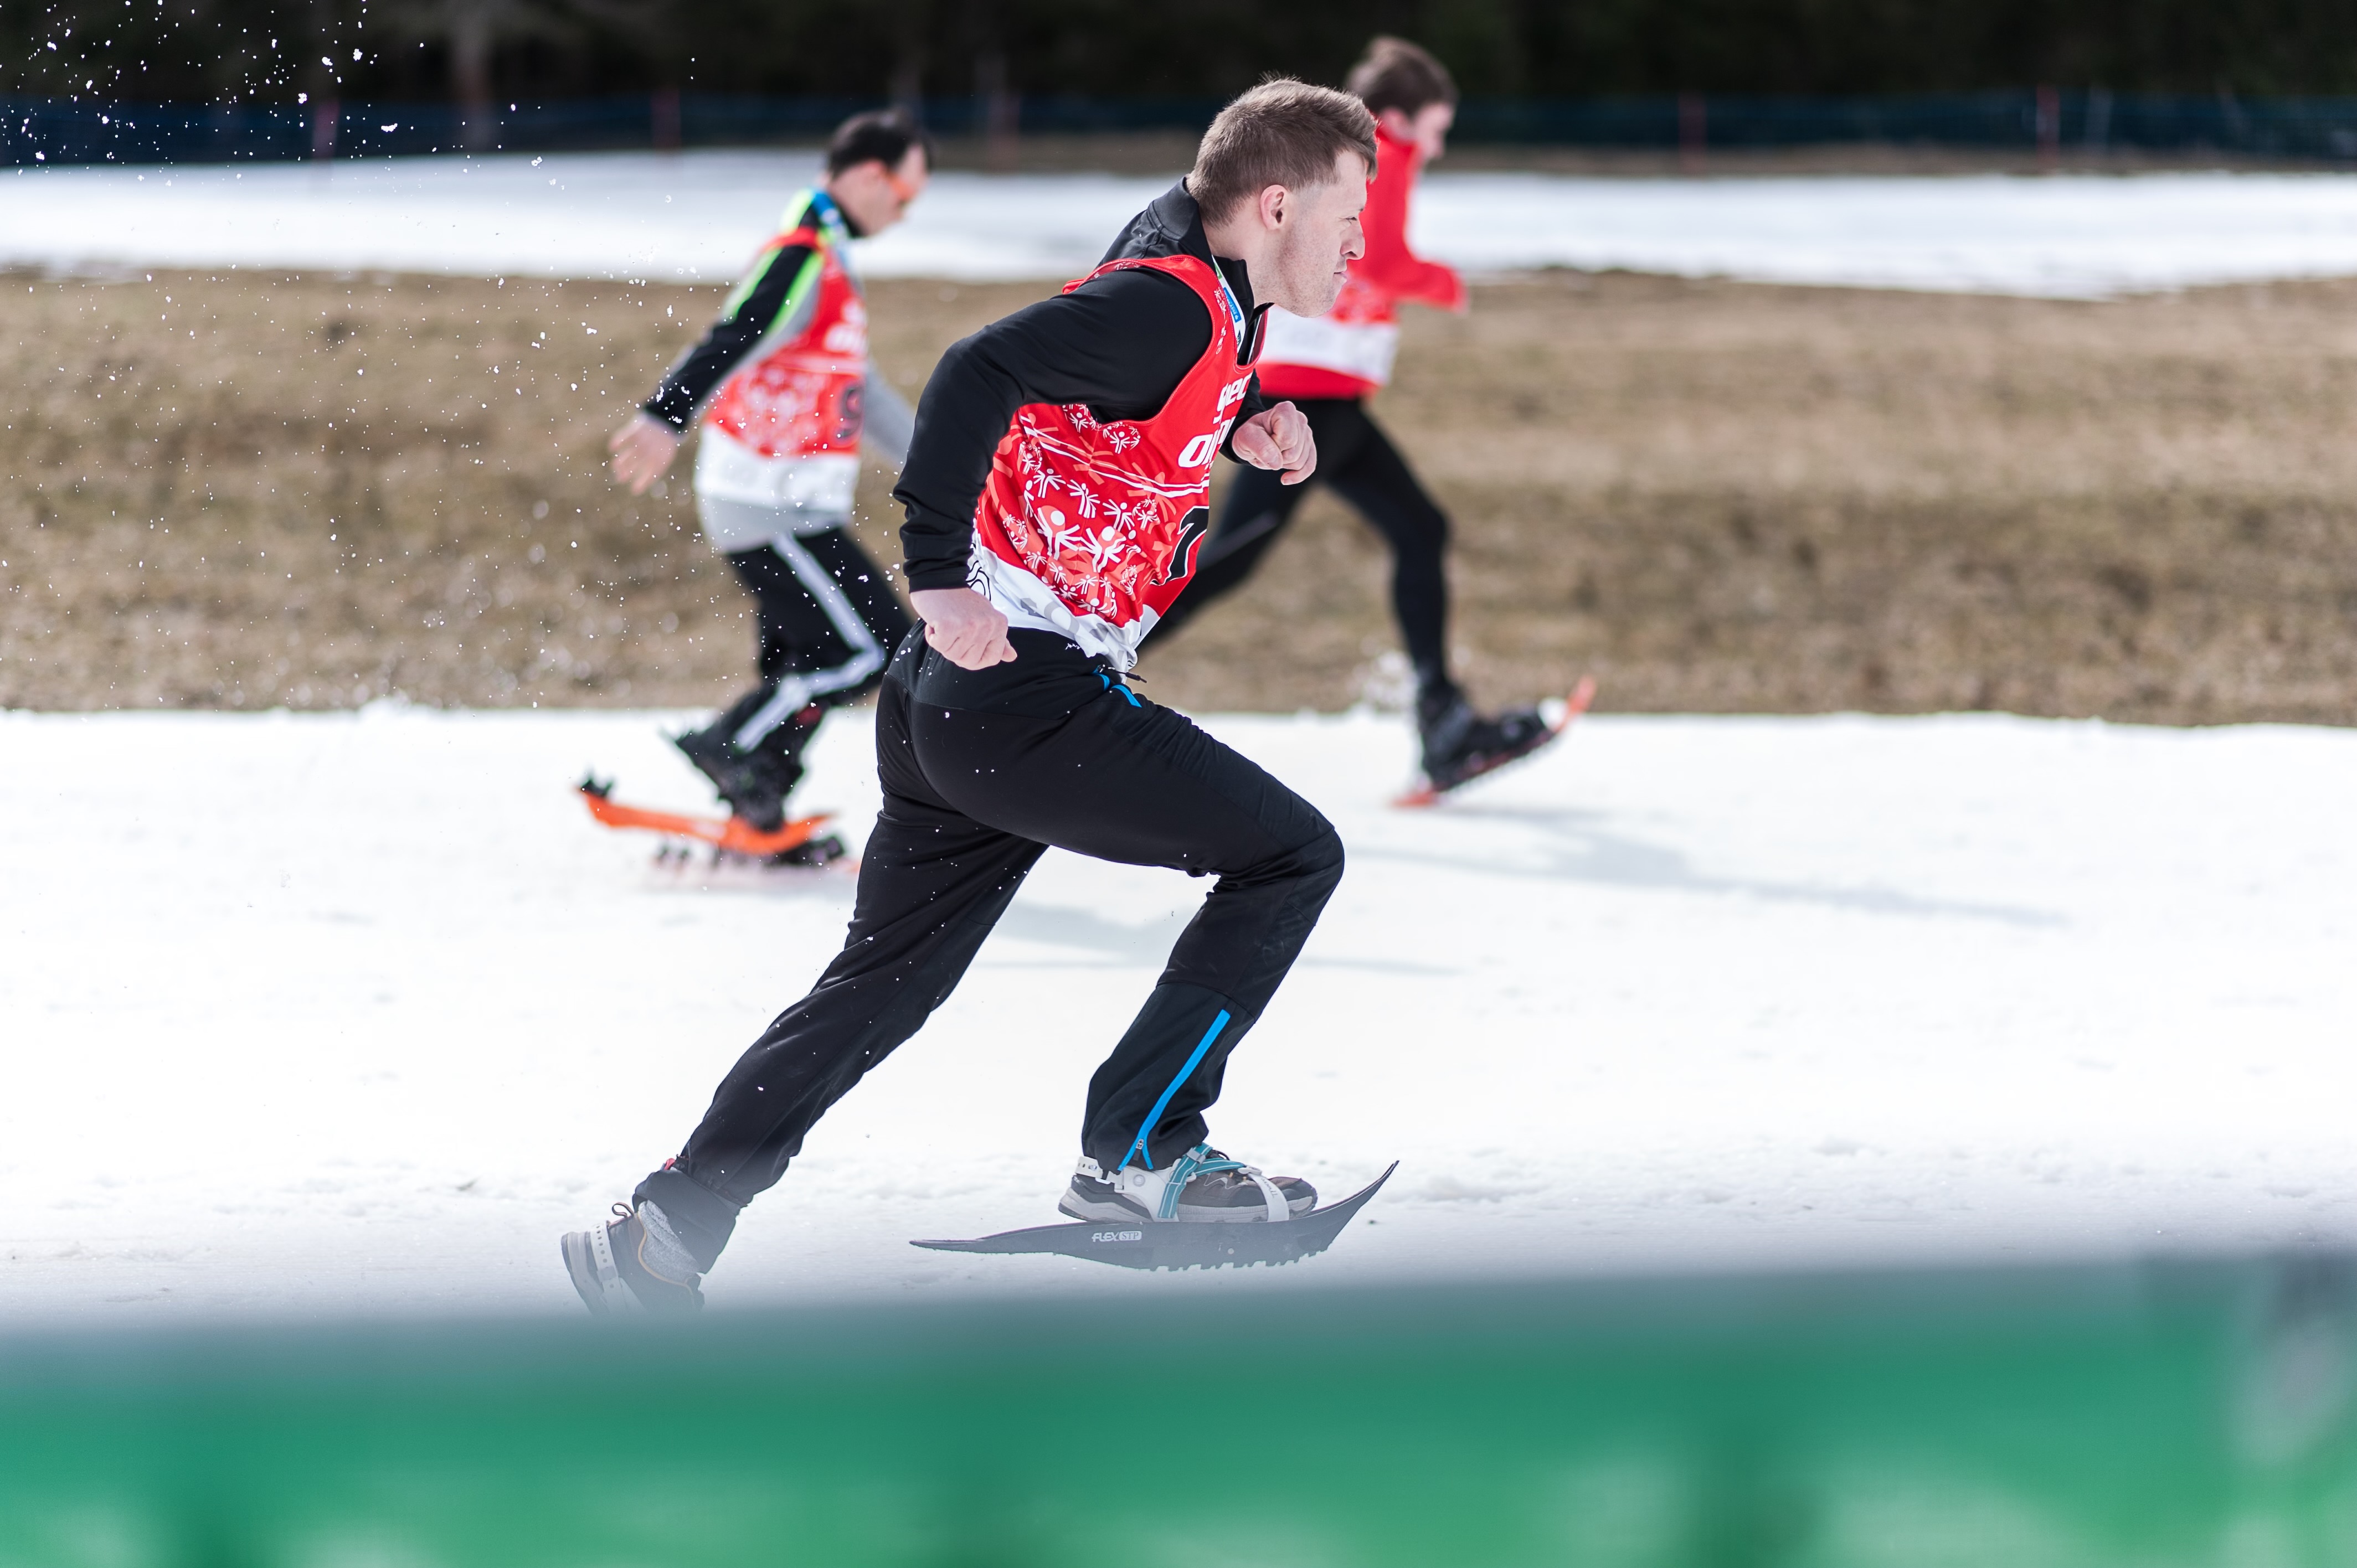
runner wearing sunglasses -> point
(786, 394)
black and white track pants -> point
(828, 621)
(983, 770)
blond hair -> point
(1282, 132)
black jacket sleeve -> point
(1254, 404)
(757, 304)
(1120, 343)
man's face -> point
(1319, 238)
(1429, 129)
(874, 196)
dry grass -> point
(1731, 498)
(241, 491)
(1717, 497)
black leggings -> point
(982, 771)
(1359, 461)
(828, 621)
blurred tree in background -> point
(472, 51)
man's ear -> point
(1274, 202)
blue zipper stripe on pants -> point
(1202, 1045)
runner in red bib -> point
(1055, 496)
(785, 395)
(1089, 528)
(1329, 366)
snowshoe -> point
(727, 835)
(1460, 744)
(1202, 1185)
(754, 783)
(1175, 1244)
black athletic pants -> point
(982, 771)
(1359, 461)
(828, 620)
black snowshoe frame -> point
(1176, 1245)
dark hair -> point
(879, 135)
(1396, 74)
(1282, 132)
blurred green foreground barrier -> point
(2151, 1415)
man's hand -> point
(964, 627)
(643, 449)
(1278, 438)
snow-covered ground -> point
(697, 216)
(359, 1011)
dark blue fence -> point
(52, 131)
(2077, 122)
(55, 131)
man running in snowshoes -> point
(786, 393)
(1056, 494)
(1329, 367)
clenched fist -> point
(962, 627)
(1278, 438)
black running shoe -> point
(1202, 1185)
(813, 852)
(754, 783)
(609, 1268)
(1461, 744)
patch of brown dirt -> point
(234, 491)
(238, 490)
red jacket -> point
(1348, 351)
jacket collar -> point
(823, 210)
(1172, 225)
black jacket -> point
(1120, 344)
(757, 309)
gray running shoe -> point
(609, 1269)
(1202, 1185)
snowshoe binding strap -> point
(1200, 1160)
(1204, 1160)
(1278, 1210)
